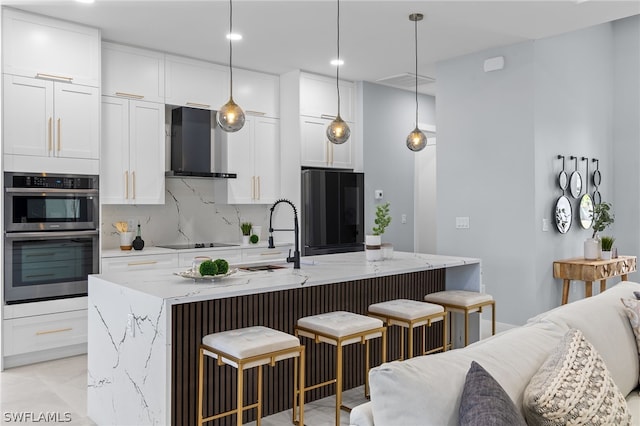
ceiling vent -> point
(406, 80)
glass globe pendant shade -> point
(416, 141)
(338, 131)
(231, 116)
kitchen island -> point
(145, 328)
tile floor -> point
(60, 387)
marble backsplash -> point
(189, 215)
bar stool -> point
(247, 348)
(411, 314)
(465, 302)
(340, 329)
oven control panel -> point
(53, 182)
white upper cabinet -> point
(316, 149)
(43, 118)
(257, 93)
(38, 46)
(193, 83)
(319, 97)
(253, 153)
(133, 152)
(132, 73)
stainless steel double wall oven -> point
(51, 235)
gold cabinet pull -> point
(259, 192)
(50, 133)
(133, 184)
(59, 330)
(53, 76)
(196, 104)
(129, 95)
(253, 187)
(142, 262)
(59, 134)
(126, 185)
(259, 113)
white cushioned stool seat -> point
(405, 309)
(458, 298)
(339, 324)
(249, 342)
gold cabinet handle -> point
(59, 330)
(147, 262)
(196, 104)
(133, 184)
(253, 188)
(50, 133)
(251, 112)
(259, 192)
(53, 76)
(126, 185)
(129, 95)
(59, 134)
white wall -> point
(388, 117)
(498, 135)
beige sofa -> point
(427, 390)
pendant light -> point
(338, 131)
(230, 116)
(416, 141)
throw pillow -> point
(632, 308)
(485, 403)
(574, 387)
(637, 294)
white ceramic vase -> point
(387, 250)
(372, 247)
(592, 249)
(606, 254)
(245, 240)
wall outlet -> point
(545, 225)
(462, 222)
(403, 218)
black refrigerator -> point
(332, 211)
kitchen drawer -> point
(232, 256)
(42, 332)
(251, 255)
(137, 263)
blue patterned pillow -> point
(485, 403)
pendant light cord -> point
(230, 48)
(338, 60)
(416, 74)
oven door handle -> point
(51, 191)
(52, 234)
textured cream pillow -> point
(632, 308)
(574, 387)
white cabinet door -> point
(317, 151)
(147, 152)
(139, 262)
(266, 159)
(114, 163)
(240, 154)
(28, 116)
(77, 121)
(34, 45)
(50, 119)
(319, 97)
(132, 73)
(196, 84)
(257, 93)
(132, 166)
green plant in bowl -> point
(254, 239)
(245, 227)
(607, 242)
(382, 220)
(208, 267)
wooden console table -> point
(591, 270)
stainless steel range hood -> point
(191, 145)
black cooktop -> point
(196, 245)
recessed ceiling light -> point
(234, 36)
(337, 62)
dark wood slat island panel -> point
(280, 310)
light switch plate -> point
(378, 194)
(462, 222)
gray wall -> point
(388, 118)
(498, 135)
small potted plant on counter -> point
(607, 246)
(373, 243)
(602, 217)
(245, 227)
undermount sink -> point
(261, 268)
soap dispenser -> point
(138, 242)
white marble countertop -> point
(161, 250)
(315, 270)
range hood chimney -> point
(191, 144)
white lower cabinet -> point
(317, 151)
(43, 332)
(139, 262)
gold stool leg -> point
(367, 365)
(493, 318)
(200, 384)
(410, 331)
(444, 332)
(259, 407)
(338, 381)
(402, 344)
(239, 396)
(294, 410)
(301, 394)
(466, 328)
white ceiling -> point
(376, 36)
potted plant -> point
(245, 227)
(607, 245)
(602, 216)
(373, 243)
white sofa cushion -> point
(427, 390)
(632, 308)
(633, 405)
(573, 386)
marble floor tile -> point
(60, 387)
